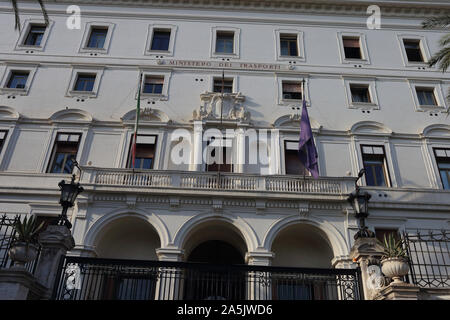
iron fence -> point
(81, 278)
(7, 235)
(429, 257)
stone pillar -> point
(259, 284)
(398, 291)
(170, 280)
(197, 147)
(55, 242)
(17, 283)
(367, 253)
(240, 143)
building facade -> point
(238, 72)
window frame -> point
(301, 57)
(130, 158)
(164, 95)
(423, 47)
(236, 43)
(438, 90)
(3, 141)
(88, 27)
(285, 142)
(31, 69)
(71, 92)
(292, 102)
(234, 78)
(386, 173)
(171, 50)
(20, 46)
(372, 87)
(365, 57)
(54, 147)
(447, 150)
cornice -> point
(390, 8)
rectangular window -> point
(2, 139)
(153, 85)
(35, 35)
(360, 93)
(64, 152)
(289, 45)
(85, 82)
(97, 38)
(225, 42)
(381, 233)
(292, 162)
(443, 163)
(223, 157)
(17, 80)
(413, 51)
(161, 40)
(145, 152)
(374, 160)
(292, 90)
(226, 84)
(352, 47)
(426, 96)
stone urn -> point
(395, 268)
(22, 253)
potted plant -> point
(25, 245)
(394, 262)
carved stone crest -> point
(229, 106)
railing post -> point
(55, 242)
(259, 284)
(170, 284)
(367, 252)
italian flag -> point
(136, 125)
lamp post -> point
(360, 202)
(69, 192)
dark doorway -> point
(215, 281)
(216, 252)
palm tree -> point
(16, 13)
(442, 57)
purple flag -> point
(307, 149)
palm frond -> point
(442, 58)
(437, 22)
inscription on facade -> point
(228, 65)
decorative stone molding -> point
(398, 291)
(19, 284)
(367, 253)
(228, 106)
(259, 258)
(170, 254)
(411, 9)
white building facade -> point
(372, 99)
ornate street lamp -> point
(360, 202)
(69, 192)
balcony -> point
(172, 182)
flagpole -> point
(136, 126)
(221, 119)
(303, 106)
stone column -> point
(170, 280)
(197, 148)
(259, 284)
(367, 253)
(240, 144)
(17, 283)
(55, 242)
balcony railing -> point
(106, 279)
(214, 181)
